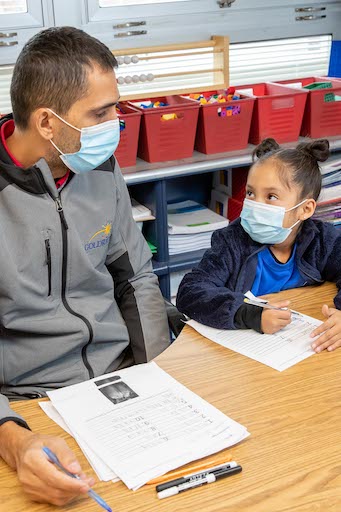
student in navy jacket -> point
(273, 246)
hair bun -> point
(266, 146)
(318, 149)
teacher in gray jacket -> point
(78, 297)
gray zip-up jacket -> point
(78, 297)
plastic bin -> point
(278, 111)
(223, 126)
(126, 151)
(172, 139)
(234, 208)
(322, 117)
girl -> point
(273, 246)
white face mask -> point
(264, 222)
(98, 143)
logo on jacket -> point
(95, 242)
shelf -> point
(160, 267)
(185, 260)
(145, 172)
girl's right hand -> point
(274, 320)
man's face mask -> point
(98, 143)
(264, 222)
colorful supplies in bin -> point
(224, 120)
(168, 128)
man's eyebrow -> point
(103, 107)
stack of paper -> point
(139, 423)
(140, 212)
(329, 203)
(190, 226)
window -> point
(280, 59)
(13, 6)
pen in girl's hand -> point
(266, 305)
(54, 459)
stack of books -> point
(190, 226)
(329, 203)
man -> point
(78, 297)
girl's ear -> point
(307, 209)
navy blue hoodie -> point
(213, 292)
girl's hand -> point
(274, 320)
(331, 329)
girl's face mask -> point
(98, 143)
(264, 222)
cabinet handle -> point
(130, 24)
(8, 43)
(131, 33)
(310, 9)
(309, 18)
(8, 34)
(225, 3)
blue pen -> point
(54, 459)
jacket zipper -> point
(64, 228)
(48, 261)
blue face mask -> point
(264, 222)
(98, 143)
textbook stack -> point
(190, 226)
(329, 203)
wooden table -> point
(292, 460)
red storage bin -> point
(162, 140)
(223, 126)
(322, 118)
(278, 112)
(234, 208)
(126, 151)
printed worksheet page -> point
(279, 351)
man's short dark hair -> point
(51, 71)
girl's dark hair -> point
(301, 162)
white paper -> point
(279, 351)
(139, 211)
(102, 471)
(142, 423)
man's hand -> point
(41, 480)
(274, 320)
(330, 331)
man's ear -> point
(44, 122)
(307, 209)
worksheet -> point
(142, 423)
(103, 472)
(279, 351)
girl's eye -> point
(272, 197)
(249, 193)
(101, 114)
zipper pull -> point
(60, 210)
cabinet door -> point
(20, 20)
